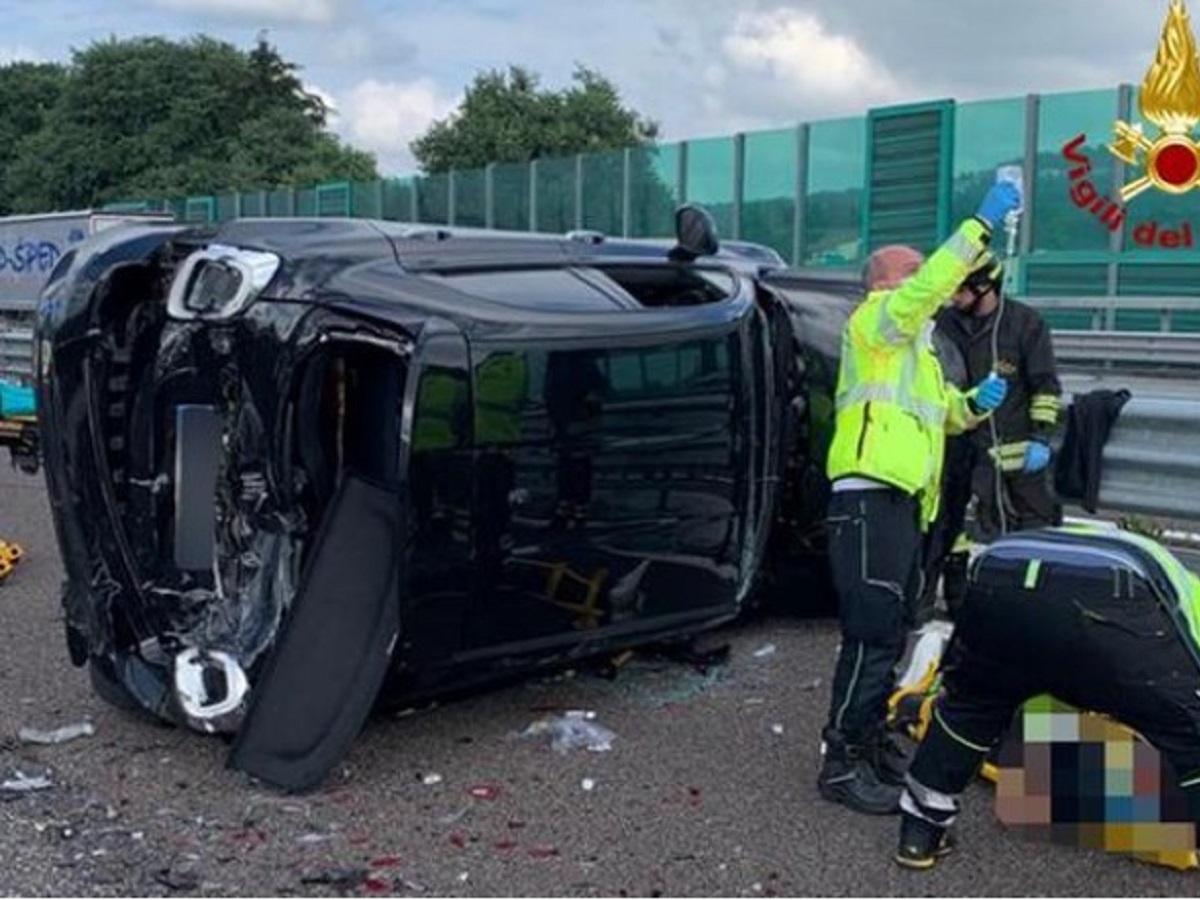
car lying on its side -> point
(298, 467)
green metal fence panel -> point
(1065, 279)
(710, 179)
(556, 195)
(281, 203)
(470, 198)
(131, 206)
(1058, 222)
(987, 134)
(908, 175)
(253, 205)
(833, 206)
(366, 199)
(510, 195)
(333, 199)
(654, 189)
(399, 198)
(603, 192)
(306, 203)
(433, 199)
(1174, 278)
(769, 189)
(200, 209)
(226, 207)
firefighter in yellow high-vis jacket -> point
(894, 409)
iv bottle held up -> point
(1015, 176)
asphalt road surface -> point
(708, 789)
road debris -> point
(56, 735)
(343, 878)
(178, 878)
(764, 651)
(20, 783)
(485, 791)
(570, 732)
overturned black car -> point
(299, 467)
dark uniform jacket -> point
(1024, 356)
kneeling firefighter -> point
(1106, 621)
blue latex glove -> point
(1001, 199)
(990, 393)
(1037, 456)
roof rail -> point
(428, 233)
(586, 236)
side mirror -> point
(695, 234)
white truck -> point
(30, 247)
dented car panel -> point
(450, 455)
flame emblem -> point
(1169, 98)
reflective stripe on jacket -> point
(894, 407)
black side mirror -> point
(695, 234)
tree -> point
(28, 91)
(506, 118)
(152, 118)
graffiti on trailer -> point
(29, 256)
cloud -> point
(793, 53)
(365, 47)
(306, 12)
(384, 117)
(11, 53)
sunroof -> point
(598, 287)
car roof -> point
(427, 248)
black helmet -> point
(986, 275)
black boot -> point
(922, 843)
(889, 759)
(848, 777)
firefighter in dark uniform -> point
(1011, 473)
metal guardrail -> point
(1128, 350)
(1152, 459)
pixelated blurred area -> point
(1084, 779)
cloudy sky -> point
(698, 67)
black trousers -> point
(1117, 655)
(875, 555)
(1029, 500)
(951, 519)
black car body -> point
(299, 465)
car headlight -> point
(219, 282)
